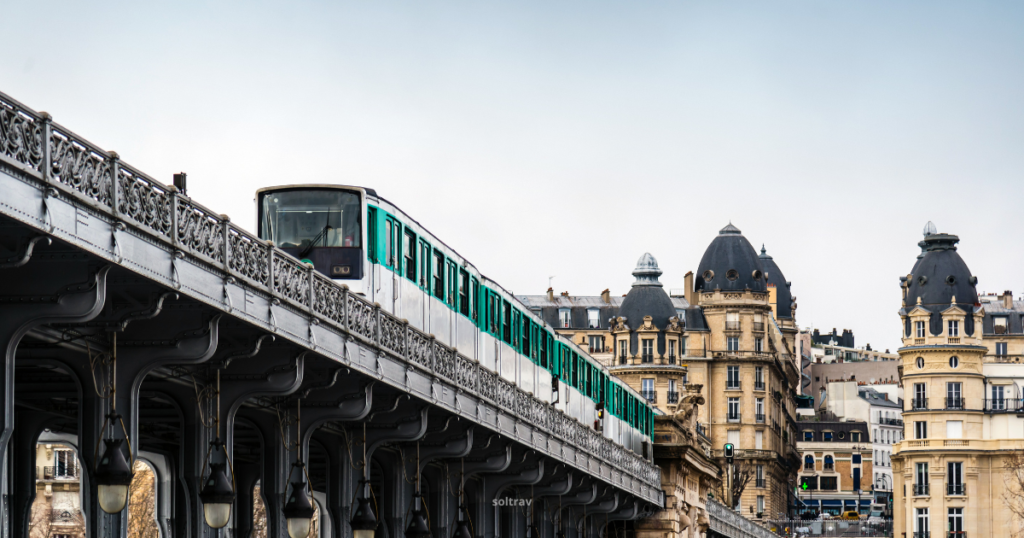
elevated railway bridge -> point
(133, 317)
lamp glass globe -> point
(217, 514)
(298, 527)
(366, 533)
(112, 498)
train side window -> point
(453, 287)
(506, 322)
(424, 265)
(543, 344)
(464, 292)
(409, 250)
(438, 275)
(474, 299)
(371, 234)
(527, 338)
(388, 243)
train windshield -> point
(303, 218)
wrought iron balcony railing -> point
(891, 421)
(919, 404)
(733, 384)
(760, 483)
(759, 418)
(732, 325)
(673, 397)
(758, 325)
(920, 490)
(954, 403)
(922, 534)
(956, 489)
(733, 417)
(1003, 405)
(758, 385)
(649, 395)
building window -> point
(808, 462)
(921, 527)
(998, 402)
(830, 464)
(759, 410)
(732, 380)
(808, 436)
(671, 351)
(826, 436)
(594, 318)
(953, 396)
(956, 522)
(856, 458)
(829, 483)
(920, 430)
(682, 346)
(954, 478)
(999, 324)
(622, 351)
(953, 328)
(759, 378)
(65, 464)
(732, 321)
(760, 505)
(920, 397)
(759, 475)
(733, 343)
(855, 437)
(596, 344)
(1001, 349)
(920, 328)
(920, 363)
(759, 344)
(564, 317)
(734, 409)
(647, 389)
(648, 350)
(875, 436)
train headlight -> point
(341, 270)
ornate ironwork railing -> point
(66, 516)
(730, 523)
(71, 167)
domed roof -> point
(941, 275)
(730, 263)
(646, 298)
(774, 276)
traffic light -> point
(729, 452)
(599, 422)
(805, 483)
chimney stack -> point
(606, 296)
(689, 295)
(1008, 300)
(551, 295)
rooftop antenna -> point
(550, 278)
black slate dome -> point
(730, 264)
(773, 275)
(646, 297)
(939, 277)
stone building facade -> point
(730, 338)
(837, 466)
(961, 422)
(56, 512)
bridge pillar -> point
(526, 471)
(546, 495)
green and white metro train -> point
(356, 237)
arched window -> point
(829, 462)
(809, 462)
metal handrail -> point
(920, 489)
(673, 397)
(919, 404)
(955, 403)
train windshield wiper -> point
(312, 243)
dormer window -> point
(999, 325)
(953, 328)
(564, 318)
(594, 318)
(920, 328)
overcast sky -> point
(568, 138)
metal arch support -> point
(74, 303)
(247, 475)
(26, 253)
(606, 505)
(274, 466)
(135, 363)
(628, 510)
(413, 428)
(495, 485)
(339, 482)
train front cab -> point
(318, 224)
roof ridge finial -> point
(730, 229)
(647, 271)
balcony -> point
(733, 417)
(649, 395)
(66, 517)
(732, 384)
(891, 421)
(920, 490)
(955, 403)
(919, 404)
(919, 341)
(759, 326)
(956, 489)
(673, 397)
(732, 325)
(759, 418)
(953, 340)
(61, 473)
(758, 385)
(1002, 405)
(760, 483)
(956, 534)
(647, 358)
